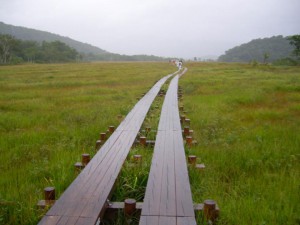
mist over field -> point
(167, 28)
(70, 70)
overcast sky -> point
(175, 28)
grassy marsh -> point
(247, 124)
(245, 119)
(50, 115)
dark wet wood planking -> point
(168, 198)
(85, 198)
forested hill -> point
(270, 49)
(87, 52)
(28, 34)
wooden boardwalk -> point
(168, 199)
(86, 198)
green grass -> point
(50, 115)
(247, 124)
(245, 119)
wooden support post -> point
(137, 159)
(49, 193)
(200, 167)
(148, 129)
(103, 136)
(114, 207)
(210, 212)
(85, 159)
(78, 167)
(192, 159)
(129, 206)
(150, 143)
(111, 129)
(182, 119)
(98, 144)
(187, 121)
(189, 141)
(186, 131)
(143, 141)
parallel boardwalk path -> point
(168, 199)
(86, 198)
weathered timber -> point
(168, 198)
(85, 200)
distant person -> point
(180, 64)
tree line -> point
(14, 51)
(274, 49)
(28, 34)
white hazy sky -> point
(177, 28)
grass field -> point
(247, 124)
(246, 120)
(50, 115)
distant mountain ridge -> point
(272, 49)
(87, 51)
(28, 34)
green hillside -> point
(27, 34)
(87, 51)
(266, 49)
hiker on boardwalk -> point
(179, 64)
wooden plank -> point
(88, 194)
(100, 192)
(49, 220)
(86, 197)
(85, 221)
(153, 191)
(67, 220)
(168, 193)
(149, 220)
(186, 221)
(166, 220)
(99, 187)
(77, 189)
(183, 191)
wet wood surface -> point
(168, 198)
(86, 198)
